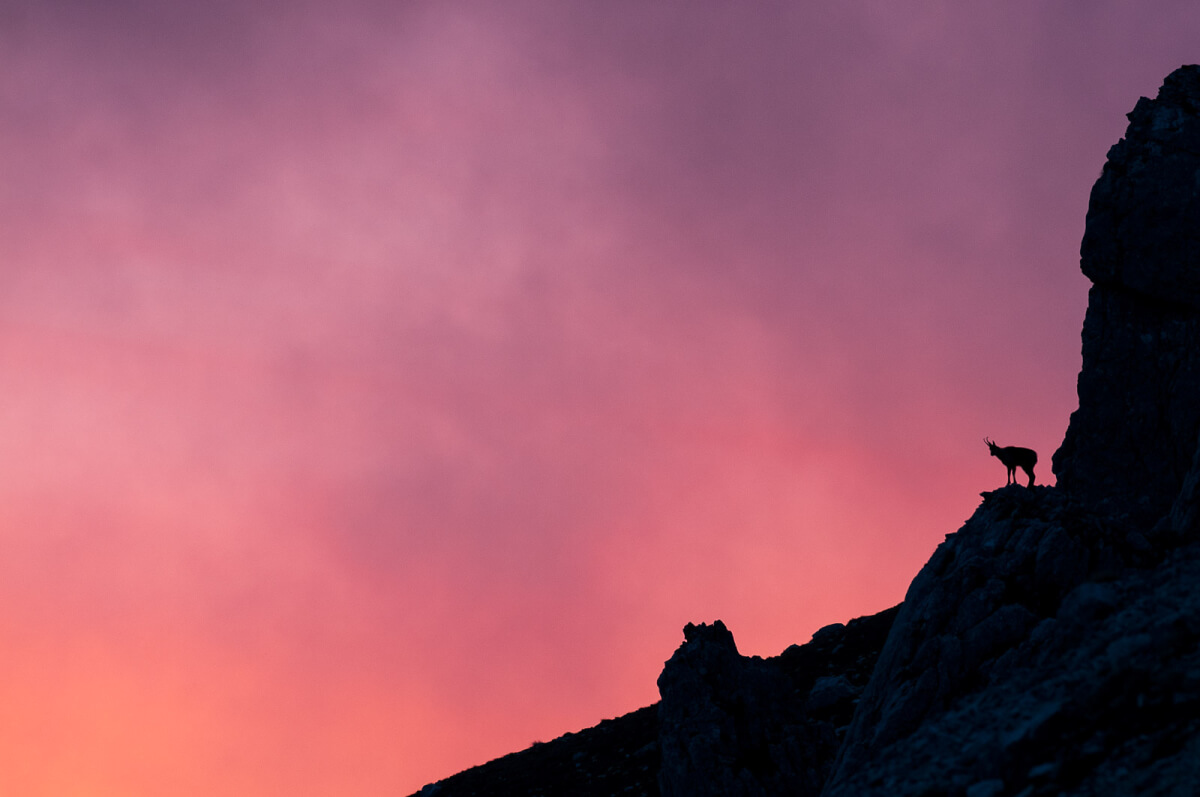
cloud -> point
(393, 364)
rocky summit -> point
(1051, 646)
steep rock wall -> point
(1132, 440)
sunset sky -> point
(383, 385)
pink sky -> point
(383, 388)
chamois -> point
(1013, 458)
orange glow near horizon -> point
(383, 388)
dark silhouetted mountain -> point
(808, 692)
(1132, 440)
(1051, 646)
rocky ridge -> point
(810, 689)
(1051, 646)
(618, 756)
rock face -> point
(1051, 646)
(1132, 440)
(724, 729)
(733, 726)
(1033, 645)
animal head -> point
(993, 449)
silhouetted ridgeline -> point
(1050, 646)
(741, 705)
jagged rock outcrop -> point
(727, 726)
(740, 727)
(819, 681)
(1132, 440)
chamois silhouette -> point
(1013, 458)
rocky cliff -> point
(1131, 442)
(731, 725)
(1051, 645)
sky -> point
(383, 385)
